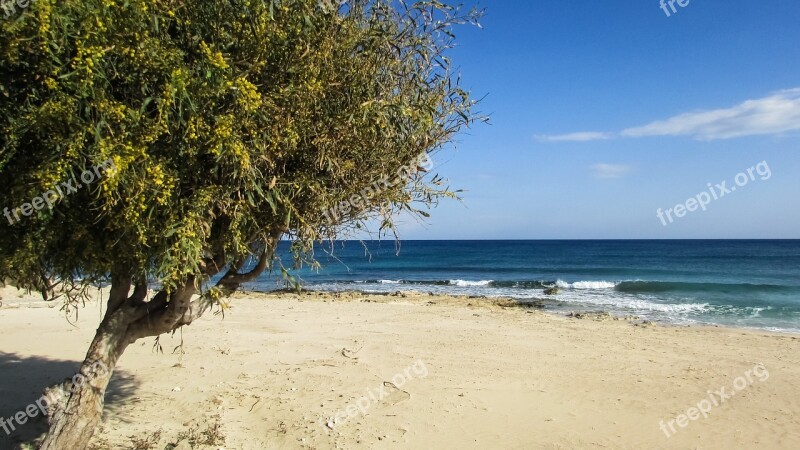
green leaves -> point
(226, 121)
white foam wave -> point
(463, 283)
(389, 281)
(627, 303)
(596, 285)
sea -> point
(739, 283)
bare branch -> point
(139, 294)
(120, 286)
(233, 278)
(163, 319)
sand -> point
(421, 372)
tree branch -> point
(139, 294)
(213, 266)
(196, 310)
(233, 278)
(120, 286)
(158, 319)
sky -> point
(607, 117)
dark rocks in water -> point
(506, 303)
(511, 303)
(552, 291)
(536, 304)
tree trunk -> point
(76, 407)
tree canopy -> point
(225, 122)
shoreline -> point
(539, 304)
(581, 311)
(418, 372)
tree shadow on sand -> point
(24, 379)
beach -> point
(358, 225)
(419, 371)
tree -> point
(177, 142)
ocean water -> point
(753, 284)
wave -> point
(624, 287)
(537, 284)
(593, 285)
(577, 293)
(640, 305)
(411, 282)
(458, 283)
(522, 284)
(462, 283)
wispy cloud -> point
(576, 137)
(773, 115)
(604, 171)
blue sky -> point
(603, 112)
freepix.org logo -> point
(714, 193)
(669, 5)
(10, 6)
(51, 197)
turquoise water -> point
(736, 283)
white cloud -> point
(576, 137)
(604, 171)
(776, 114)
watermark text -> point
(49, 199)
(715, 192)
(715, 398)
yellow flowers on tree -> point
(232, 124)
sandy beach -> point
(414, 371)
